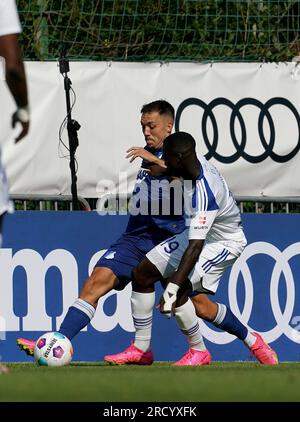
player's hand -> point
(21, 116)
(168, 300)
(135, 152)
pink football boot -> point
(130, 356)
(263, 352)
(194, 358)
(26, 345)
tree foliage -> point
(166, 30)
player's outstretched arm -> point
(179, 277)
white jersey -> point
(9, 19)
(213, 213)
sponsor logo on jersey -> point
(202, 219)
(110, 255)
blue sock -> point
(227, 321)
(78, 316)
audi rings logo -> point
(286, 323)
(239, 139)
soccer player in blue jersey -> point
(194, 260)
(143, 232)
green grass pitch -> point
(97, 382)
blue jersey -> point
(149, 195)
(144, 230)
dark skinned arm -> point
(179, 277)
(16, 80)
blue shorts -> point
(127, 252)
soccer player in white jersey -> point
(11, 59)
(193, 262)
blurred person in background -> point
(11, 58)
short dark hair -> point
(160, 106)
(180, 142)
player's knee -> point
(137, 276)
(142, 278)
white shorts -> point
(213, 260)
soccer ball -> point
(53, 349)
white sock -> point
(85, 307)
(142, 305)
(249, 340)
(219, 318)
(188, 323)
